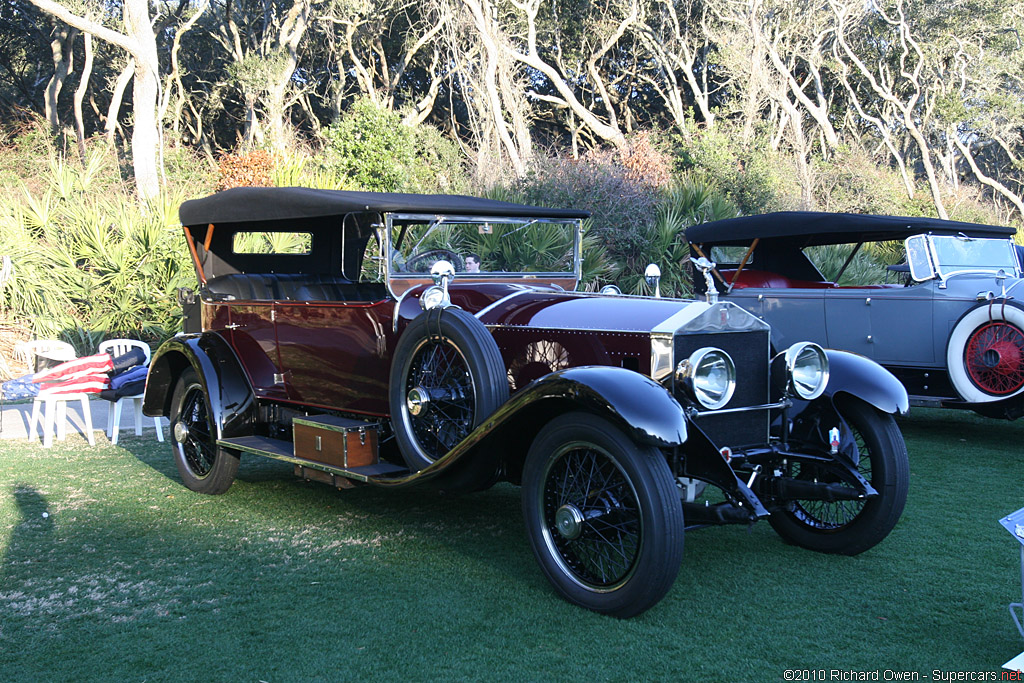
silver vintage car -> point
(948, 320)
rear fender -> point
(232, 400)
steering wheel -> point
(421, 263)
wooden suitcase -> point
(336, 441)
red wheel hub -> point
(994, 358)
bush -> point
(249, 169)
(689, 201)
(91, 263)
(751, 176)
(621, 200)
(373, 150)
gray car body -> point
(907, 328)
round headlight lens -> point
(710, 377)
(807, 366)
(433, 297)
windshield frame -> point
(939, 265)
(399, 281)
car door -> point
(252, 334)
(889, 324)
(336, 354)
(796, 314)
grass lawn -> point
(110, 569)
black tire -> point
(603, 515)
(447, 376)
(204, 467)
(849, 527)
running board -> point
(282, 450)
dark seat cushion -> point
(292, 287)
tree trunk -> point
(140, 41)
(116, 97)
(83, 86)
(145, 132)
(63, 62)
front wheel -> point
(849, 527)
(204, 466)
(603, 515)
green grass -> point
(133, 577)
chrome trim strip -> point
(672, 324)
(487, 309)
(503, 326)
(746, 409)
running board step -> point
(282, 450)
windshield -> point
(955, 254)
(483, 247)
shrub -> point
(751, 176)
(249, 169)
(689, 201)
(621, 201)
(373, 150)
(370, 147)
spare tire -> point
(447, 376)
(985, 353)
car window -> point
(958, 253)
(868, 266)
(262, 242)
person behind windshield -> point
(472, 263)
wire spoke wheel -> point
(591, 516)
(203, 465)
(603, 515)
(872, 440)
(197, 447)
(447, 376)
(994, 358)
(440, 379)
(833, 515)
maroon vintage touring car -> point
(391, 340)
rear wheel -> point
(849, 527)
(603, 515)
(203, 465)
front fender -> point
(636, 404)
(867, 380)
(232, 400)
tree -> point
(139, 41)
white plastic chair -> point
(119, 347)
(51, 410)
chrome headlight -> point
(801, 370)
(434, 297)
(709, 376)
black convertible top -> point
(257, 204)
(812, 228)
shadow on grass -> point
(269, 488)
(32, 533)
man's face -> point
(472, 265)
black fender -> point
(865, 379)
(643, 409)
(232, 399)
